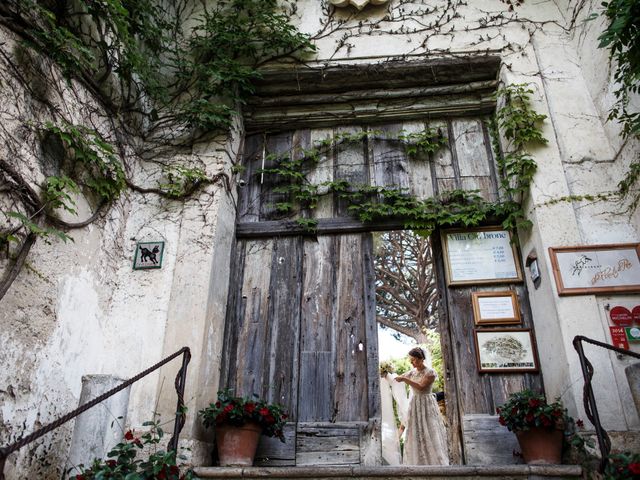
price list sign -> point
(478, 256)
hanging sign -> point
(619, 337)
(621, 316)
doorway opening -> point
(407, 316)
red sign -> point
(621, 316)
(619, 337)
(635, 313)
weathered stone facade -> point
(79, 308)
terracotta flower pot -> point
(237, 445)
(541, 445)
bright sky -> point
(389, 347)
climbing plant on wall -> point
(114, 83)
(515, 119)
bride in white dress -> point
(426, 440)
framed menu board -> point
(480, 255)
(589, 269)
(495, 307)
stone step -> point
(455, 472)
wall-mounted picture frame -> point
(482, 255)
(501, 350)
(496, 308)
(148, 255)
(596, 269)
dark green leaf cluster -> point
(623, 466)
(622, 37)
(123, 463)
(102, 171)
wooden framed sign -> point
(502, 350)
(480, 255)
(593, 269)
(495, 307)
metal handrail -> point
(180, 411)
(588, 398)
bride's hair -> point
(417, 352)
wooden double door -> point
(301, 322)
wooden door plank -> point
(249, 193)
(317, 331)
(442, 158)
(471, 151)
(387, 159)
(279, 145)
(350, 164)
(323, 172)
(284, 320)
(350, 356)
(484, 184)
(252, 343)
(421, 181)
(234, 315)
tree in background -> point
(406, 295)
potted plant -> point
(239, 422)
(538, 425)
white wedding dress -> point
(426, 440)
(391, 390)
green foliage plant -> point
(622, 37)
(237, 411)
(623, 466)
(123, 463)
(103, 172)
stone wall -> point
(79, 308)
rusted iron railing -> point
(589, 399)
(178, 424)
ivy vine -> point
(515, 118)
(161, 75)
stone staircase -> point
(455, 472)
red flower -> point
(221, 418)
(498, 410)
(250, 407)
(81, 477)
(173, 469)
(534, 402)
(546, 421)
(128, 435)
(285, 416)
(269, 419)
(264, 411)
(228, 408)
(529, 417)
(218, 404)
(580, 423)
(112, 463)
(137, 443)
(634, 468)
(502, 422)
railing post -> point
(180, 382)
(590, 406)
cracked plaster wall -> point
(81, 309)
